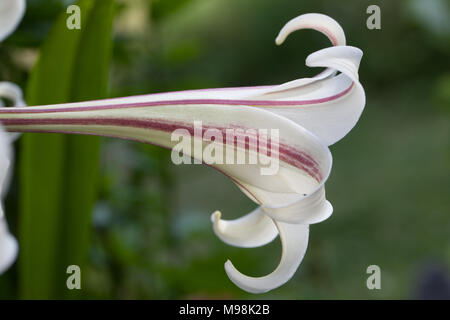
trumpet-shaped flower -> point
(11, 12)
(309, 114)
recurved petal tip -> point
(252, 230)
(215, 216)
(294, 240)
(320, 22)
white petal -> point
(345, 59)
(311, 209)
(320, 22)
(12, 92)
(294, 240)
(8, 244)
(11, 13)
(5, 163)
(252, 230)
(331, 106)
(8, 247)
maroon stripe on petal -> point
(251, 103)
(288, 154)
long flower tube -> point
(303, 117)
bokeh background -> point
(150, 234)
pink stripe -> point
(136, 140)
(264, 103)
(288, 154)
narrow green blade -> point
(57, 172)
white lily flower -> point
(309, 114)
(11, 13)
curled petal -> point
(294, 240)
(313, 208)
(319, 22)
(328, 107)
(252, 230)
(345, 59)
(12, 92)
(11, 12)
(316, 21)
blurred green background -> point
(151, 236)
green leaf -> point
(58, 173)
